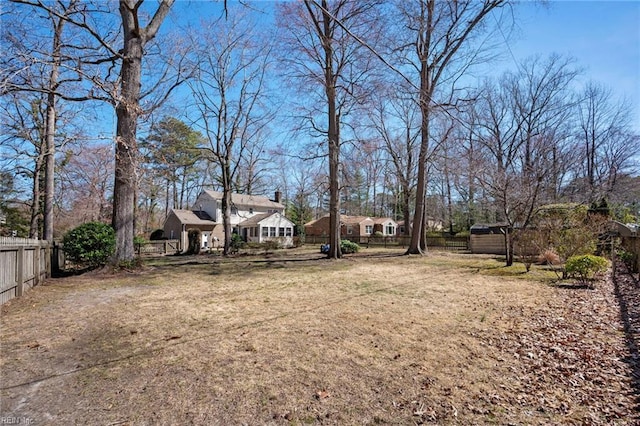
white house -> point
(268, 227)
(249, 214)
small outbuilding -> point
(488, 238)
(629, 234)
(178, 223)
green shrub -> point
(90, 244)
(348, 247)
(236, 243)
(585, 267)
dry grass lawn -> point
(375, 338)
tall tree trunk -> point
(34, 225)
(334, 187)
(418, 234)
(508, 244)
(438, 40)
(50, 161)
(334, 141)
(449, 199)
(127, 113)
(166, 199)
(226, 208)
(50, 130)
(406, 213)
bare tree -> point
(36, 67)
(605, 140)
(394, 118)
(24, 146)
(518, 125)
(333, 65)
(229, 93)
(86, 182)
(128, 109)
(24, 150)
(437, 35)
(92, 61)
(255, 165)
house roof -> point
(382, 220)
(352, 220)
(190, 217)
(254, 220)
(246, 200)
(344, 219)
(313, 222)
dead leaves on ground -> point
(573, 356)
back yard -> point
(376, 338)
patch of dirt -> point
(293, 338)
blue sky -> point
(603, 37)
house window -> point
(349, 230)
(368, 229)
(289, 232)
(272, 231)
(234, 210)
(265, 232)
(281, 232)
(390, 229)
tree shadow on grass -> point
(627, 291)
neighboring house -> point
(206, 215)
(433, 225)
(352, 226)
(356, 226)
(385, 225)
(318, 227)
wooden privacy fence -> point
(24, 263)
(487, 244)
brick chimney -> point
(277, 196)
